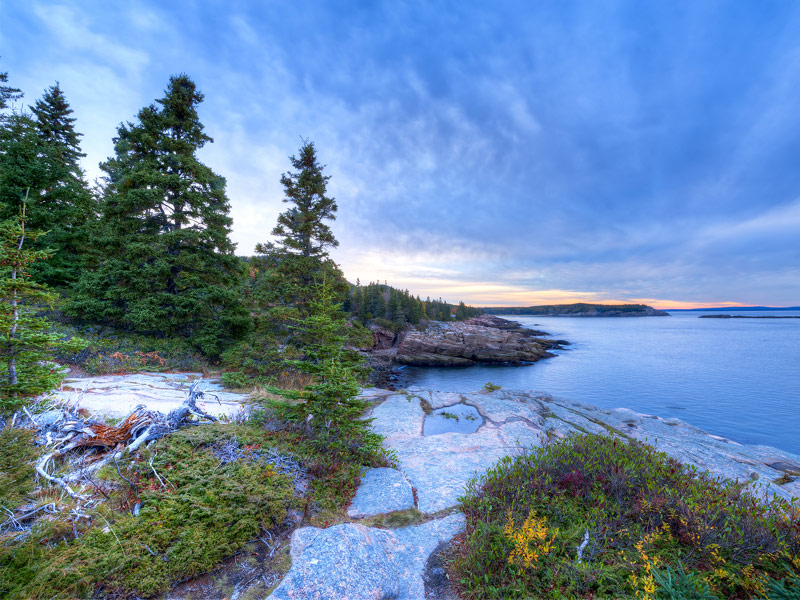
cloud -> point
(504, 152)
(72, 30)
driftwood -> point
(89, 444)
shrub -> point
(236, 379)
(110, 350)
(17, 454)
(639, 518)
(491, 387)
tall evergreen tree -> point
(298, 257)
(169, 266)
(302, 229)
(41, 152)
(65, 205)
(56, 126)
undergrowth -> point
(17, 455)
(202, 510)
(598, 517)
(111, 350)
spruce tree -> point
(302, 229)
(289, 266)
(66, 207)
(168, 263)
(332, 410)
(41, 152)
(26, 342)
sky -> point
(500, 153)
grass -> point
(651, 526)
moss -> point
(207, 511)
(17, 456)
(393, 520)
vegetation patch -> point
(200, 495)
(110, 350)
(597, 517)
(17, 455)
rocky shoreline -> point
(485, 339)
(354, 560)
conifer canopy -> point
(168, 264)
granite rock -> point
(468, 342)
(116, 395)
(381, 491)
(354, 562)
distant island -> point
(748, 317)
(579, 310)
(736, 308)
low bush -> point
(599, 517)
(112, 351)
(236, 379)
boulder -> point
(383, 338)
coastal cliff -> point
(481, 340)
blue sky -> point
(499, 152)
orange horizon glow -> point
(416, 274)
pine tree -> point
(65, 206)
(169, 266)
(298, 257)
(26, 342)
(56, 126)
(332, 411)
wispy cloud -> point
(504, 153)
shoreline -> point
(771, 469)
(482, 340)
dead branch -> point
(101, 443)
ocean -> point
(739, 378)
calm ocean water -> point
(739, 378)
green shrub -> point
(644, 517)
(491, 387)
(236, 379)
(110, 350)
(17, 455)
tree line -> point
(400, 307)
